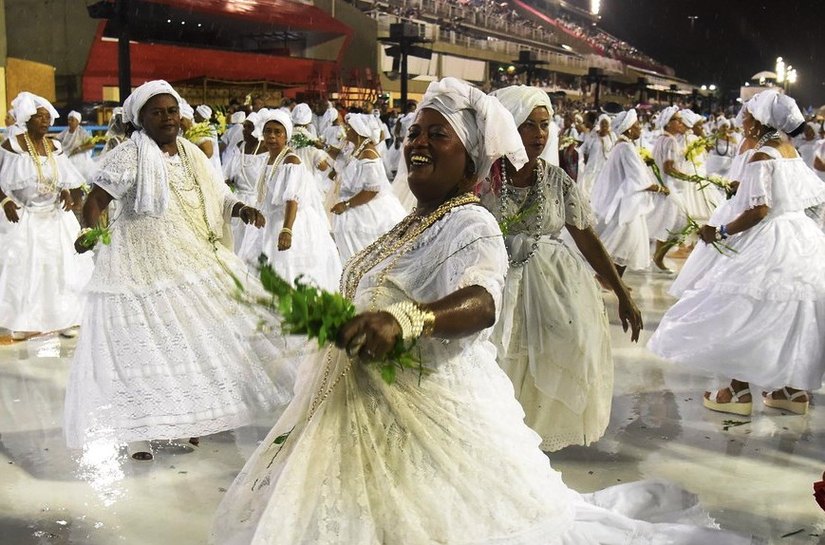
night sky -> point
(730, 41)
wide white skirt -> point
(627, 243)
(667, 217)
(41, 276)
(758, 314)
(360, 226)
(554, 343)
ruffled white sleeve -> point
(371, 176)
(292, 178)
(783, 185)
(118, 170)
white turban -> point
(140, 96)
(722, 122)
(625, 120)
(329, 117)
(691, 118)
(603, 117)
(365, 125)
(521, 100)
(482, 123)
(237, 117)
(204, 111)
(75, 115)
(25, 105)
(267, 115)
(666, 115)
(776, 110)
(186, 111)
(302, 114)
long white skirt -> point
(667, 217)
(554, 343)
(41, 276)
(628, 244)
(360, 226)
(758, 314)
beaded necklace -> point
(537, 197)
(44, 185)
(397, 242)
(727, 147)
(768, 136)
(360, 148)
(268, 170)
(204, 228)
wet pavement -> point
(753, 474)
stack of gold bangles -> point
(414, 321)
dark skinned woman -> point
(438, 458)
(166, 352)
(553, 336)
(41, 277)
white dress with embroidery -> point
(758, 314)
(313, 253)
(441, 459)
(166, 350)
(244, 171)
(357, 227)
(41, 276)
(621, 201)
(553, 335)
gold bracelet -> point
(4, 201)
(286, 230)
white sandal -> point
(734, 406)
(140, 451)
(789, 403)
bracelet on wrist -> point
(723, 232)
(287, 231)
(414, 321)
(5, 201)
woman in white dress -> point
(441, 458)
(242, 171)
(42, 278)
(757, 315)
(166, 350)
(723, 151)
(623, 196)
(76, 146)
(314, 159)
(700, 202)
(367, 207)
(595, 151)
(552, 334)
(296, 239)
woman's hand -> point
(66, 200)
(630, 316)
(340, 208)
(10, 209)
(370, 336)
(252, 216)
(707, 233)
(79, 246)
(284, 241)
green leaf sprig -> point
(101, 233)
(199, 131)
(692, 228)
(507, 223)
(300, 140)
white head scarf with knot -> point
(74, 114)
(665, 116)
(482, 123)
(625, 120)
(25, 105)
(365, 125)
(266, 115)
(329, 117)
(776, 110)
(204, 111)
(602, 117)
(151, 178)
(187, 111)
(521, 100)
(237, 118)
(302, 114)
(691, 118)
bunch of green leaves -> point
(300, 140)
(706, 181)
(198, 131)
(697, 148)
(507, 223)
(101, 233)
(691, 228)
(307, 310)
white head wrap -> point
(691, 118)
(603, 117)
(302, 114)
(237, 117)
(722, 122)
(151, 182)
(187, 111)
(665, 116)
(776, 110)
(266, 115)
(204, 111)
(365, 125)
(482, 123)
(625, 120)
(521, 100)
(74, 114)
(25, 105)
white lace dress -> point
(758, 314)
(244, 170)
(621, 202)
(444, 459)
(313, 253)
(41, 276)
(669, 214)
(598, 150)
(359, 226)
(553, 335)
(166, 350)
